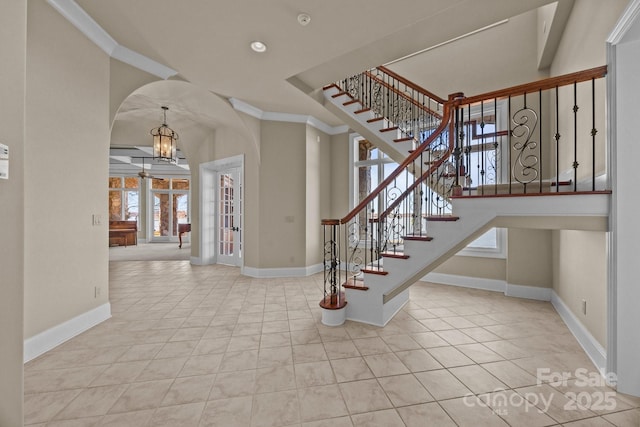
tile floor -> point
(205, 346)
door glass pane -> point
(180, 211)
(160, 214)
(225, 219)
(131, 205)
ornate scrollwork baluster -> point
(525, 167)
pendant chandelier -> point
(165, 141)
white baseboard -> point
(282, 272)
(528, 292)
(466, 282)
(589, 344)
(53, 337)
(196, 260)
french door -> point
(229, 217)
(170, 202)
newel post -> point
(333, 303)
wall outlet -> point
(97, 219)
(97, 291)
(584, 307)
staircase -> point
(403, 230)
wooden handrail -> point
(411, 84)
(412, 157)
(544, 84)
(404, 95)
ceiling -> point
(207, 42)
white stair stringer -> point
(398, 151)
(387, 294)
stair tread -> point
(404, 139)
(375, 270)
(375, 119)
(339, 94)
(355, 284)
(443, 218)
(389, 129)
(364, 110)
(397, 255)
(353, 101)
(418, 238)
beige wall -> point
(318, 192)
(124, 79)
(282, 195)
(529, 261)
(500, 57)
(470, 266)
(13, 33)
(67, 142)
(580, 273)
(580, 256)
(339, 175)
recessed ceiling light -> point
(258, 46)
(304, 19)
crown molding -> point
(94, 32)
(625, 22)
(249, 109)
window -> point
(124, 198)
(370, 166)
(170, 201)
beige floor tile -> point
(141, 352)
(244, 343)
(630, 418)
(92, 401)
(353, 393)
(139, 396)
(60, 379)
(233, 412)
(188, 334)
(330, 333)
(404, 390)
(314, 374)
(80, 422)
(476, 379)
(275, 356)
(211, 346)
(427, 414)
(233, 384)
(278, 339)
(161, 369)
(306, 336)
(450, 357)
(385, 364)
(239, 361)
(341, 349)
(128, 419)
(436, 324)
(309, 353)
(589, 422)
(479, 353)
(42, 407)
(331, 422)
(507, 349)
(516, 410)
(120, 373)
(201, 365)
(374, 345)
(510, 374)
(351, 369)
(176, 349)
(248, 329)
(418, 360)
(598, 398)
(442, 384)
(189, 390)
(187, 415)
(455, 337)
(401, 342)
(429, 340)
(275, 326)
(471, 412)
(275, 409)
(554, 403)
(385, 418)
(480, 334)
(276, 378)
(317, 403)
